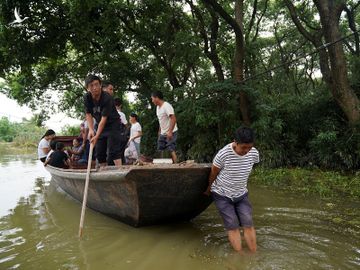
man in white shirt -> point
(167, 124)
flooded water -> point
(39, 225)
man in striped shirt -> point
(228, 185)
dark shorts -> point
(111, 144)
(234, 212)
(165, 144)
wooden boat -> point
(141, 195)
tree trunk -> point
(239, 58)
(340, 86)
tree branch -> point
(259, 20)
(252, 20)
(297, 22)
(228, 19)
(352, 26)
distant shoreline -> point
(15, 148)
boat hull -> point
(141, 196)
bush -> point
(7, 130)
(306, 181)
(68, 130)
(24, 134)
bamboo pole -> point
(82, 218)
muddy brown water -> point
(39, 225)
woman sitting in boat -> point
(77, 150)
(44, 144)
(59, 158)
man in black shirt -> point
(108, 139)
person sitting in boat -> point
(52, 147)
(108, 140)
(131, 154)
(77, 150)
(59, 158)
(44, 144)
(228, 179)
(135, 132)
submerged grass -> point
(326, 184)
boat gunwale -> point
(117, 174)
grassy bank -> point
(325, 184)
(13, 148)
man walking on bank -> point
(100, 105)
(167, 124)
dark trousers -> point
(111, 144)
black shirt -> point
(104, 107)
(57, 159)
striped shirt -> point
(234, 172)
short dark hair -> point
(135, 116)
(53, 144)
(59, 146)
(244, 135)
(105, 84)
(90, 78)
(158, 94)
(117, 102)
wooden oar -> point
(86, 191)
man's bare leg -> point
(250, 238)
(174, 157)
(235, 239)
(118, 162)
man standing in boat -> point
(228, 185)
(100, 105)
(167, 124)
(108, 87)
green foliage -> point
(68, 130)
(7, 130)
(325, 184)
(306, 130)
(24, 134)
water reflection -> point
(40, 232)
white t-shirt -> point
(163, 113)
(123, 118)
(135, 128)
(43, 144)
